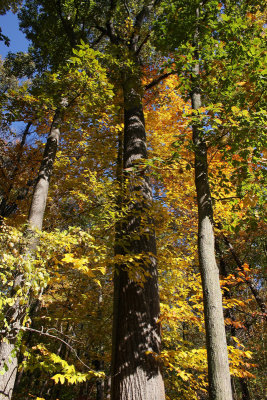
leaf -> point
(59, 378)
(235, 109)
(68, 258)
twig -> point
(25, 328)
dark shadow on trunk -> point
(136, 332)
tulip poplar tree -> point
(49, 102)
(124, 31)
(124, 168)
(198, 47)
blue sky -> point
(18, 42)
(10, 27)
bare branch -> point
(143, 43)
(25, 328)
(126, 7)
(248, 280)
(159, 79)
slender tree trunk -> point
(136, 332)
(260, 301)
(218, 365)
(37, 209)
(6, 208)
(244, 389)
(229, 313)
(99, 364)
(16, 314)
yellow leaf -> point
(245, 113)
(102, 270)
(183, 375)
(235, 339)
(248, 354)
(68, 258)
(235, 109)
(58, 378)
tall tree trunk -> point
(16, 314)
(136, 332)
(218, 365)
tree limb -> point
(159, 79)
(25, 328)
(248, 281)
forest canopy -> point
(132, 201)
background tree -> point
(14, 311)
(204, 41)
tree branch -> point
(143, 43)
(248, 280)
(25, 328)
(66, 25)
(159, 79)
(126, 7)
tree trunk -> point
(229, 313)
(37, 209)
(7, 208)
(136, 332)
(16, 314)
(244, 389)
(260, 301)
(218, 365)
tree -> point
(14, 316)
(219, 373)
(206, 35)
(218, 365)
(100, 196)
(135, 304)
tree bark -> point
(136, 332)
(218, 365)
(37, 209)
(15, 314)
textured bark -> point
(136, 332)
(218, 365)
(17, 312)
(37, 209)
(7, 380)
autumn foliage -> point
(65, 339)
